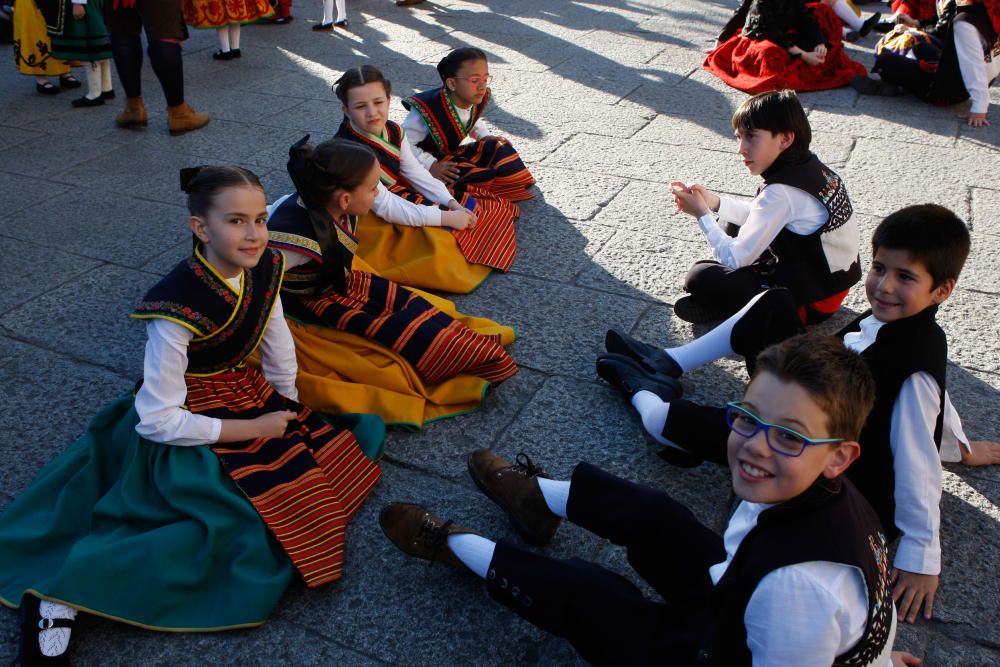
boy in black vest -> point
(800, 576)
(918, 253)
(798, 232)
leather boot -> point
(514, 488)
(417, 532)
(182, 118)
(134, 114)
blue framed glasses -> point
(780, 439)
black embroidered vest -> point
(227, 325)
(831, 521)
(901, 348)
(797, 255)
(445, 130)
(292, 227)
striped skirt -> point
(437, 345)
(494, 165)
(306, 485)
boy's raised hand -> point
(690, 200)
(445, 171)
(910, 591)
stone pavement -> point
(606, 101)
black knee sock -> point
(127, 52)
(165, 57)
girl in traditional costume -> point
(226, 17)
(782, 44)
(33, 51)
(78, 33)
(365, 343)
(190, 506)
(439, 239)
(440, 120)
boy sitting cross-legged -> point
(918, 253)
(800, 576)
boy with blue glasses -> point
(799, 577)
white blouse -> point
(163, 391)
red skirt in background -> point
(758, 66)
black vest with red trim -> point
(445, 130)
(901, 348)
(831, 521)
(227, 325)
(798, 255)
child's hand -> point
(976, 119)
(904, 659)
(910, 591)
(820, 50)
(453, 205)
(813, 58)
(984, 453)
(273, 424)
(79, 11)
(462, 219)
(445, 171)
(689, 200)
(710, 197)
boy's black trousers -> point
(607, 618)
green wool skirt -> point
(153, 535)
(85, 39)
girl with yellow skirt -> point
(33, 50)
(365, 343)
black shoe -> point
(88, 102)
(869, 24)
(869, 86)
(69, 81)
(694, 310)
(852, 36)
(46, 88)
(280, 20)
(223, 55)
(341, 24)
(650, 357)
(323, 27)
(884, 27)
(236, 53)
(108, 95)
(32, 623)
(629, 377)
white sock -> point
(341, 10)
(93, 72)
(327, 11)
(653, 411)
(223, 34)
(716, 344)
(847, 14)
(234, 36)
(556, 494)
(105, 74)
(55, 641)
(475, 551)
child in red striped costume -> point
(482, 223)
(440, 120)
(191, 505)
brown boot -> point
(515, 490)
(134, 114)
(182, 118)
(417, 532)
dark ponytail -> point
(359, 76)
(202, 184)
(451, 63)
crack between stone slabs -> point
(330, 640)
(399, 463)
(502, 434)
(7, 333)
(625, 96)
